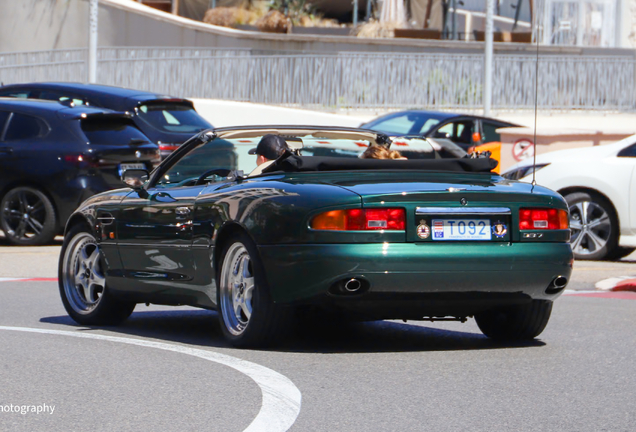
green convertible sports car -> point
(423, 238)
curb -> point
(620, 283)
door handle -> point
(162, 197)
(182, 211)
(6, 150)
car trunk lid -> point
(450, 206)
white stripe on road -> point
(574, 292)
(281, 398)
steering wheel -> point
(221, 172)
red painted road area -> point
(38, 280)
(626, 285)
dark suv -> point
(53, 157)
(166, 120)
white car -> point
(599, 184)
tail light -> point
(168, 147)
(543, 219)
(81, 161)
(390, 219)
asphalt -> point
(375, 377)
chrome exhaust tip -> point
(353, 285)
(560, 282)
(557, 284)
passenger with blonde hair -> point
(377, 152)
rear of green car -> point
(428, 246)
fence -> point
(347, 80)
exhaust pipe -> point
(353, 285)
(560, 282)
(557, 284)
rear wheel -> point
(524, 322)
(247, 314)
(594, 226)
(27, 217)
(82, 282)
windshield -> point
(216, 154)
(172, 118)
(411, 148)
(405, 123)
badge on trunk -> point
(423, 230)
(499, 229)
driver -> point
(269, 148)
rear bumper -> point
(451, 275)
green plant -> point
(294, 9)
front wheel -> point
(524, 322)
(82, 282)
(247, 314)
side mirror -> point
(135, 178)
(440, 134)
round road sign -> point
(522, 149)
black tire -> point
(594, 226)
(247, 315)
(620, 252)
(27, 217)
(523, 322)
(83, 289)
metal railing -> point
(55, 65)
(346, 80)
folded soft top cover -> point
(293, 163)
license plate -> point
(130, 166)
(461, 229)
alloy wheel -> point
(236, 289)
(83, 276)
(591, 227)
(24, 214)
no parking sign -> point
(522, 149)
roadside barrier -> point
(346, 80)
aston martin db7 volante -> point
(372, 239)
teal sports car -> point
(425, 238)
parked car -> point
(599, 184)
(166, 120)
(464, 130)
(53, 157)
(374, 239)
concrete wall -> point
(27, 25)
(30, 25)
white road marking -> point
(281, 398)
(574, 292)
